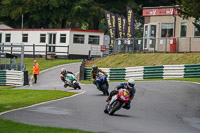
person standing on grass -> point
(36, 70)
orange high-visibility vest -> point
(36, 69)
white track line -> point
(41, 103)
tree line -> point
(78, 14)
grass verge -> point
(44, 64)
(12, 99)
(8, 126)
(146, 59)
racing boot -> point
(105, 110)
(108, 99)
(65, 85)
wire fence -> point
(176, 45)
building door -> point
(52, 43)
(150, 36)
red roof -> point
(96, 31)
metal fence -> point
(36, 50)
(187, 44)
(12, 63)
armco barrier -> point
(173, 71)
(12, 78)
(117, 74)
(135, 73)
(192, 71)
(2, 77)
(151, 72)
(88, 75)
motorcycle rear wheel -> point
(77, 86)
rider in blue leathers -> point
(128, 86)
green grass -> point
(16, 98)
(146, 59)
(7, 126)
(44, 64)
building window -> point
(93, 40)
(7, 39)
(62, 38)
(42, 38)
(167, 30)
(25, 38)
(79, 39)
(183, 29)
(196, 31)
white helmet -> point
(131, 83)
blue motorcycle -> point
(102, 83)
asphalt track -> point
(158, 107)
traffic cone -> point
(55, 88)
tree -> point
(190, 8)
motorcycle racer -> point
(63, 74)
(94, 72)
(128, 86)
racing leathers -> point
(94, 74)
(123, 86)
(62, 77)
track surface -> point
(158, 107)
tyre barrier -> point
(11, 78)
(150, 72)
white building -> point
(59, 42)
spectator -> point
(36, 70)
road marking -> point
(42, 103)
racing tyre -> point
(105, 89)
(114, 107)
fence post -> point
(34, 51)
(82, 70)
(68, 50)
(190, 45)
(166, 46)
(11, 48)
(46, 53)
(89, 55)
(3, 48)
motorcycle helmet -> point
(131, 83)
(94, 67)
(63, 71)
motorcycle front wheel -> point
(114, 107)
